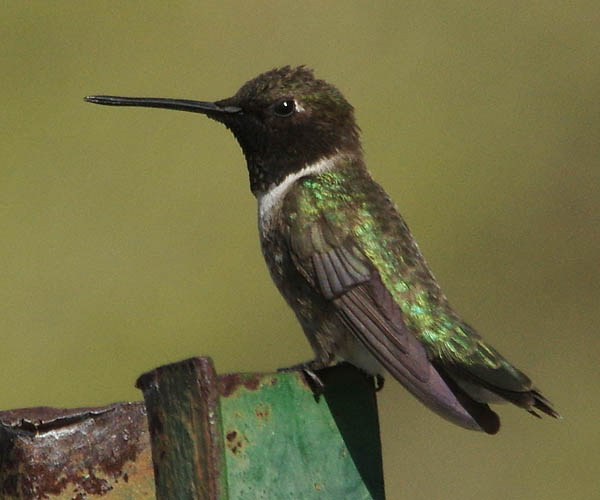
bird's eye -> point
(285, 107)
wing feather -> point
(370, 312)
(343, 275)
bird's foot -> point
(378, 381)
(309, 369)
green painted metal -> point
(282, 442)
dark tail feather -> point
(542, 404)
(487, 419)
(528, 400)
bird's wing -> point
(338, 269)
(345, 277)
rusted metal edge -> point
(46, 418)
(75, 453)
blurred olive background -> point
(129, 235)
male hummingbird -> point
(342, 256)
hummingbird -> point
(343, 257)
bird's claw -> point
(309, 370)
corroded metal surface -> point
(229, 382)
(185, 427)
(75, 453)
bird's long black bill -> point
(207, 108)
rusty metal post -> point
(185, 427)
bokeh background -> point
(128, 236)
